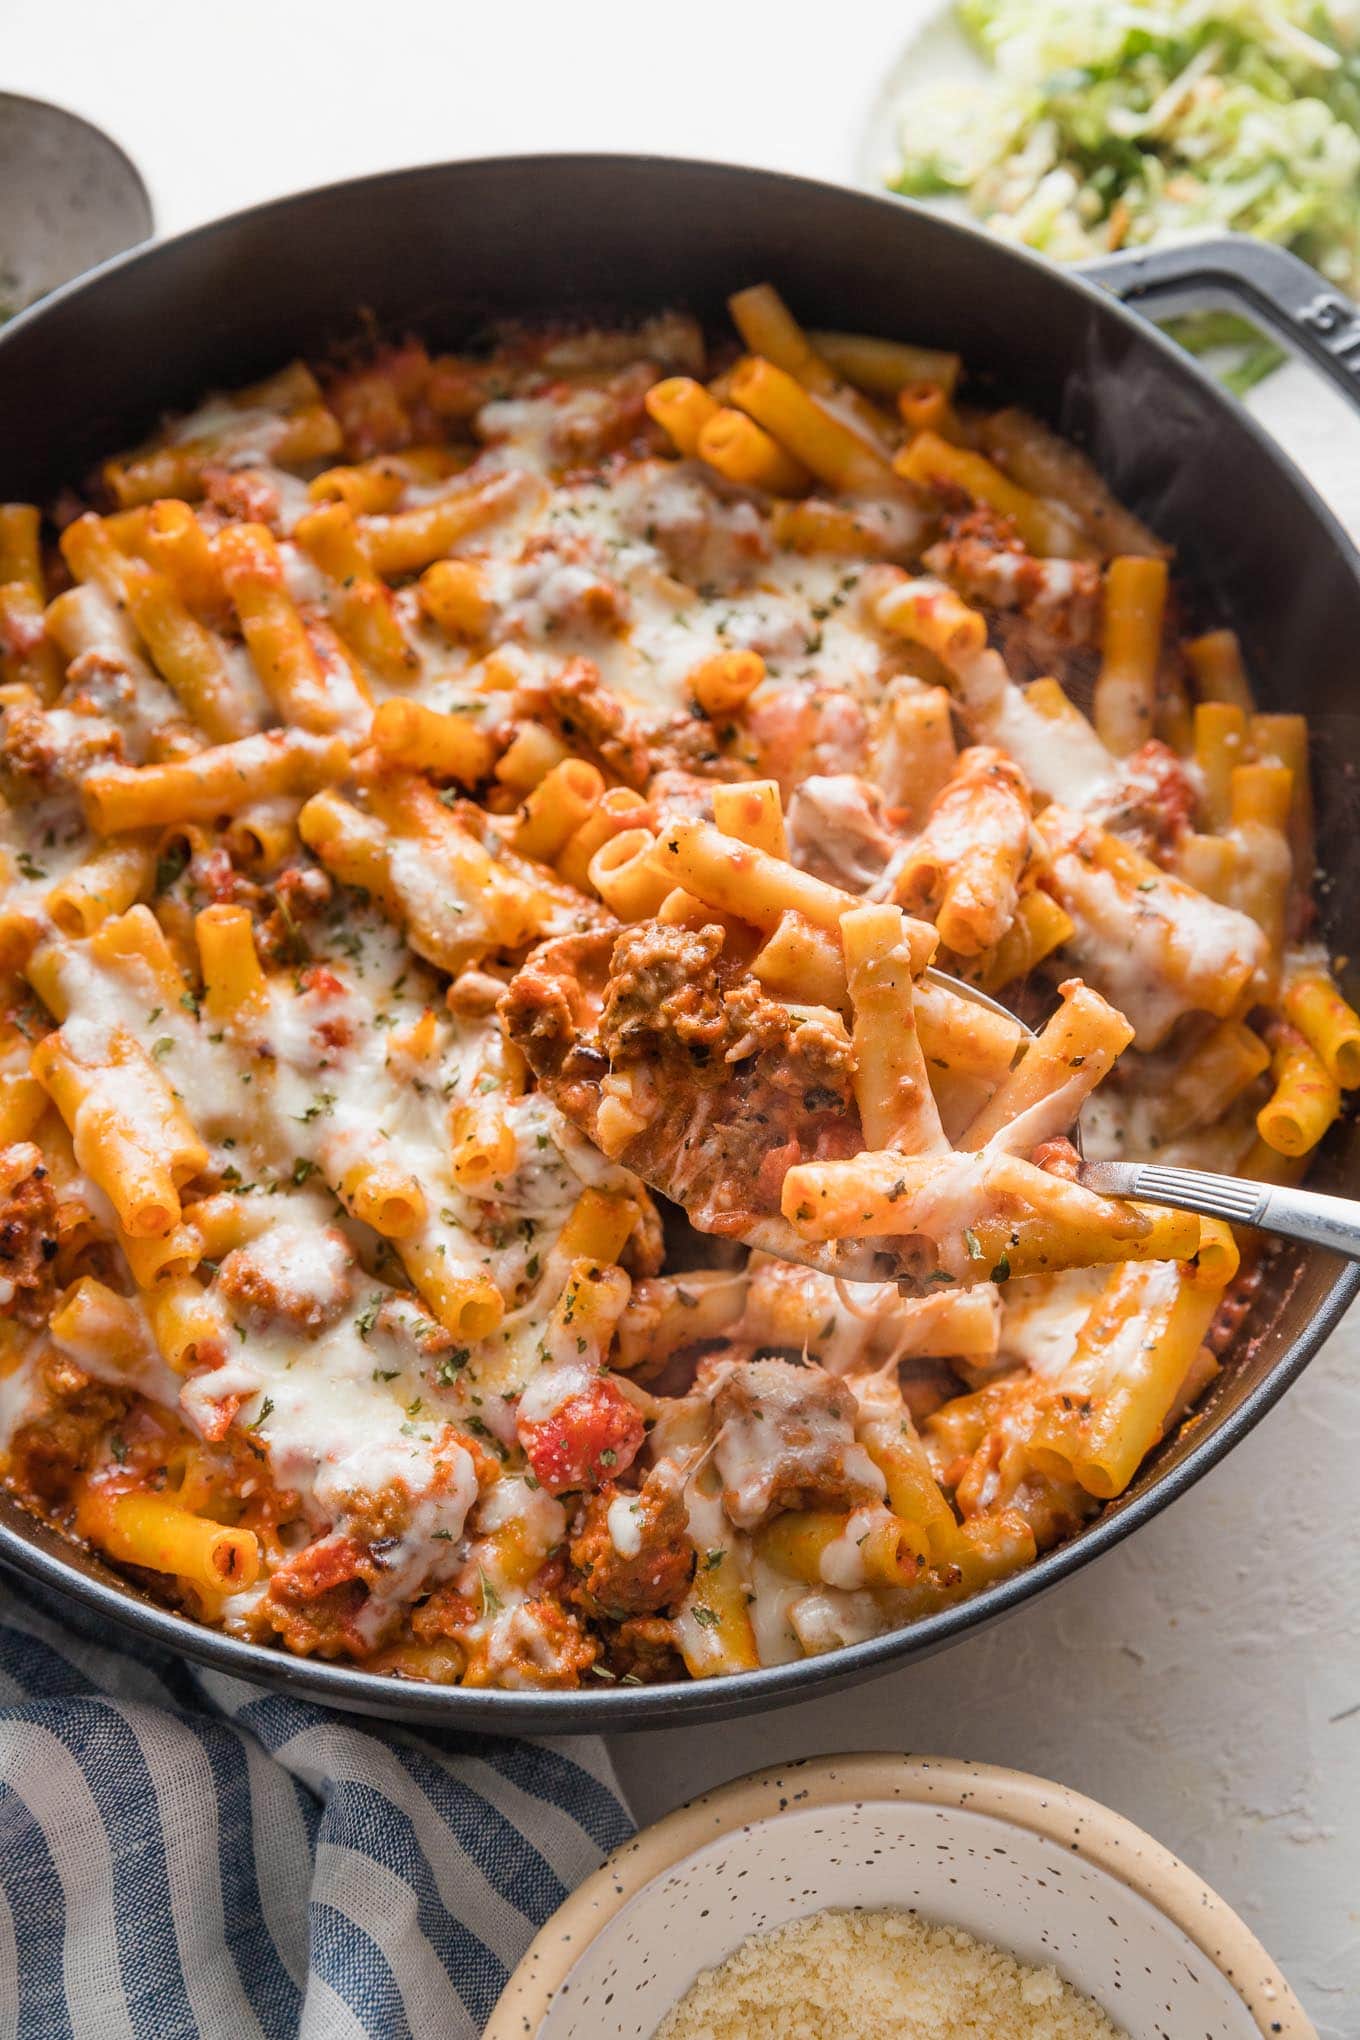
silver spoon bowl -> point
(71, 200)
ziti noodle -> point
(444, 796)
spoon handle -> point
(1331, 1222)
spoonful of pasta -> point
(783, 1061)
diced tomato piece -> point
(1156, 791)
(317, 1600)
(775, 1164)
(588, 1439)
(332, 1562)
(217, 875)
(1058, 1156)
(244, 492)
(218, 1417)
(316, 978)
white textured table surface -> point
(1204, 1678)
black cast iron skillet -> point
(441, 251)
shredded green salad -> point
(1114, 123)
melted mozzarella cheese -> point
(842, 1560)
(768, 1445)
(698, 1640)
(773, 1598)
(1140, 954)
(824, 1618)
(623, 1517)
(1061, 756)
(1042, 1317)
(836, 830)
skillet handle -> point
(1268, 283)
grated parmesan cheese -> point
(879, 1976)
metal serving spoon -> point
(72, 199)
(1309, 1215)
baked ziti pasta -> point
(478, 830)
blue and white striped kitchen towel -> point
(184, 1857)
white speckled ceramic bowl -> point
(1013, 1859)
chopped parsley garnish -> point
(368, 1316)
(266, 1410)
